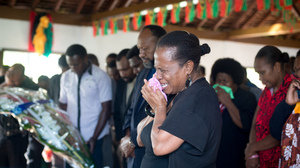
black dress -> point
(150, 160)
(234, 139)
(195, 117)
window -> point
(254, 78)
(35, 65)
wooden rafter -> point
(113, 5)
(295, 11)
(146, 1)
(57, 5)
(133, 8)
(220, 22)
(98, 5)
(127, 3)
(34, 3)
(80, 6)
(12, 3)
(271, 41)
(274, 30)
(201, 23)
(249, 21)
(242, 18)
(263, 21)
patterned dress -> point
(290, 151)
(267, 103)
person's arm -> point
(234, 112)
(140, 128)
(103, 118)
(254, 162)
(162, 142)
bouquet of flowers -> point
(49, 124)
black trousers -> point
(34, 153)
(12, 151)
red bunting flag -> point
(113, 25)
(126, 20)
(260, 4)
(136, 20)
(238, 4)
(201, 9)
(161, 17)
(208, 10)
(150, 18)
(175, 14)
(189, 12)
(104, 27)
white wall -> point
(14, 34)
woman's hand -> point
(252, 163)
(249, 151)
(223, 96)
(292, 94)
(155, 99)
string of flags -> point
(203, 9)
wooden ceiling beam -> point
(200, 34)
(242, 18)
(263, 21)
(127, 3)
(12, 3)
(270, 41)
(146, 1)
(34, 4)
(113, 5)
(22, 14)
(57, 5)
(98, 5)
(295, 11)
(274, 30)
(220, 22)
(80, 6)
(249, 21)
(133, 8)
(199, 26)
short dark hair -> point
(112, 55)
(133, 52)
(62, 62)
(230, 67)
(157, 31)
(273, 55)
(122, 54)
(76, 49)
(93, 58)
(5, 67)
(187, 47)
(43, 78)
(112, 64)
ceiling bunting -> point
(104, 27)
(113, 25)
(240, 5)
(288, 4)
(162, 16)
(208, 9)
(126, 20)
(278, 4)
(175, 14)
(225, 7)
(150, 18)
(137, 20)
(215, 8)
(201, 9)
(260, 4)
(189, 12)
(95, 29)
(41, 33)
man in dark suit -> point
(147, 41)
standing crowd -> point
(154, 108)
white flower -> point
(295, 140)
(288, 152)
(298, 159)
(289, 130)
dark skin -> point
(79, 65)
(272, 77)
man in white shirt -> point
(86, 95)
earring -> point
(188, 81)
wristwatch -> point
(131, 144)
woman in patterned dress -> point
(263, 150)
